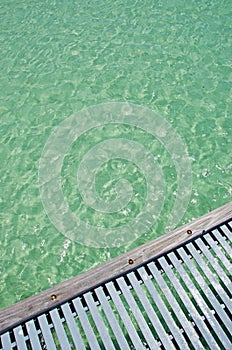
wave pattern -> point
(132, 212)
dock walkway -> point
(172, 293)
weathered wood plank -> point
(53, 296)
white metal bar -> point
(6, 342)
(86, 324)
(77, 339)
(186, 324)
(214, 263)
(163, 336)
(174, 329)
(188, 304)
(119, 336)
(57, 323)
(19, 338)
(46, 332)
(99, 322)
(218, 252)
(200, 301)
(211, 276)
(223, 242)
(124, 316)
(152, 342)
(204, 286)
(33, 335)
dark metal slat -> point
(174, 329)
(209, 274)
(124, 316)
(204, 286)
(119, 336)
(164, 337)
(186, 324)
(86, 324)
(57, 323)
(213, 262)
(137, 313)
(46, 332)
(6, 342)
(33, 335)
(77, 339)
(200, 301)
(218, 252)
(188, 304)
(99, 321)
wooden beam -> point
(53, 296)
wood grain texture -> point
(44, 301)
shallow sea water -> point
(58, 57)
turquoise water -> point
(62, 56)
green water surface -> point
(58, 57)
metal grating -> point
(179, 300)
